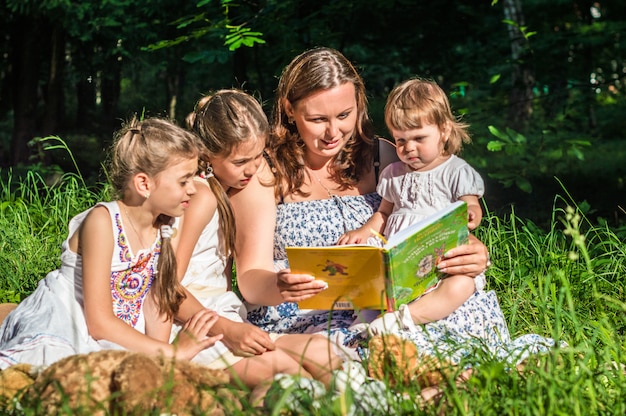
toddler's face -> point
(420, 148)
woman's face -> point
(236, 169)
(326, 119)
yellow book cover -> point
(370, 277)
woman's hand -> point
(193, 337)
(470, 259)
(297, 287)
(246, 340)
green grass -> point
(566, 281)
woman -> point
(319, 182)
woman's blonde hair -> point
(418, 101)
(312, 71)
(150, 146)
(224, 120)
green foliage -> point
(524, 157)
(234, 36)
(523, 30)
(33, 224)
(239, 36)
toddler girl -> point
(428, 177)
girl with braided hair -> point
(117, 286)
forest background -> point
(541, 82)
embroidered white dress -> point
(50, 323)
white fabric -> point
(416, 195)
(392, 322)
(50, 323)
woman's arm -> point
(255, 217)
(469, 259)
(96, 248)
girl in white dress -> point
(234, 130)
(428, 177)
(117, 286)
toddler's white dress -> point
(416, 195)
(50, 323)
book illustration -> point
(425, 266)
(333, 268)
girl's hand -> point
(471, 220)
(193, 337)
(246, 340)
(470, 259)
(297, 287)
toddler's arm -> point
(474, 211)
(376, 222)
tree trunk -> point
(86, 102)
(111, 85)
(55, 98)
(26, 52)
(522, 74)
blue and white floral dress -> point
(478, 323)
(314, 223)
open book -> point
(370, 277)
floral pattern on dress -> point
(476, 326)
(129, 287)
(313, 223)
(122, 242)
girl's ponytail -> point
(168, 292)
(226, 216)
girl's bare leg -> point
(257, 373)
(313, 352)
(451, 293)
